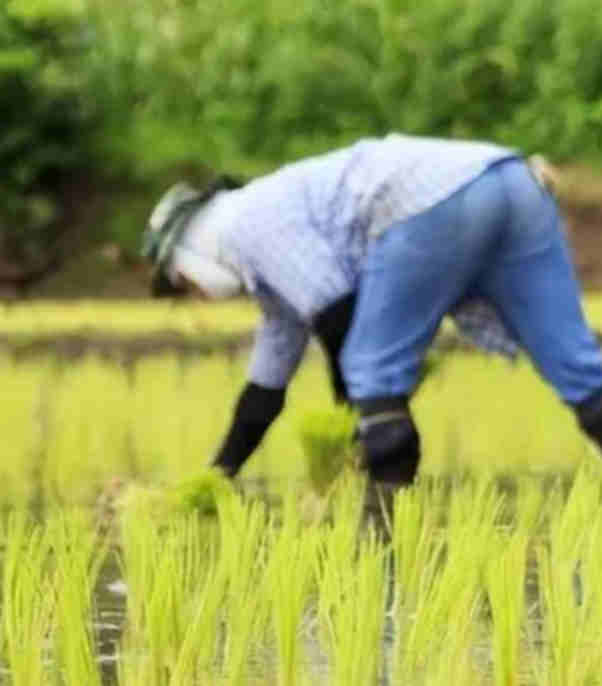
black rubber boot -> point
(390, 441)
(589, 415)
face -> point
(163, 287)
(175, 285)
(190, 287)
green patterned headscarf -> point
(171, 215)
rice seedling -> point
(569, 523)
(23, 426)
(571, 635)
(205, 493)
(82, 451)
(289, 577)
(414, 544)
(76, 556)
(591, 579)
(73, 429)
(165, 562)
(244, 533)
(326, 438)
(528, 512)
(197, 658)
(417, 551)
(473, 515)
(352, 609)
(27, 602)
(505, 584)
(453, 661)
(222, 590)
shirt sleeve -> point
(280, 343)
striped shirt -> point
(297, 236)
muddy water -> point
(111, 609)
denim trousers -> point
(499, 238)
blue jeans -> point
(499, 238)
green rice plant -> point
(196, 660)
(244, 535)
(337, 548)
(75, 428)
(27, 602)
(167, 565)
(490, 442)
(222, 608)
(414, 543)
(589, 588)
(77, 557)
(352, 609)
(417, 550)
(505, 584)
(346, 500)
(23, 426)
(571, 631)
(589, 571)
(87, 442)
(569, 593)
(179, 414)
(452, 661)
(474, 512)
(326, 438)
(568, 525)
(207, 391)
(156, 416)
(338, 544)
(204, 494)
(528, 507)
(289, 578)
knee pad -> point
(589, 415)
(391, 447)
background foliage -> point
(47, 115)
(141, 90)
(267, 81)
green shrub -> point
(245, 85)
(255, 83)
(45, 119)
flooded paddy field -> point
(463, 579)
(125, 561)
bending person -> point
(368, 248)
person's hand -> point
(391, 451)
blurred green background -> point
(104, 102)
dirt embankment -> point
(579, 189)
(585, 232)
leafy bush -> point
(244, 85)
(255, 83)
(45, 119)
